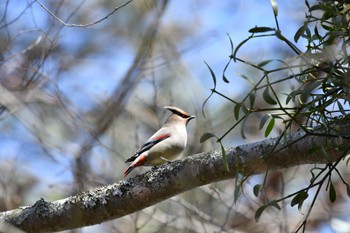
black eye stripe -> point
(181, 114)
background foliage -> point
(79, 97)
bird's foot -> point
(167, 160)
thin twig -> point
(83, 25)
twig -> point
(83, 25)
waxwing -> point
(166, 144)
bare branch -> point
(82, 25)
(3, 19)
(125, 197)
(115, 104)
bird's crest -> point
(178, 111)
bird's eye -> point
(181, 114)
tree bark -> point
(131, 195)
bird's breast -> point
(168, 149)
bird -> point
(166, 144)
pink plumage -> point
(166, 144)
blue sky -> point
(211, 21)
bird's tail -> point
(128, 170)
(132, 158)
(139, 161)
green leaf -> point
(264, 63)
(317, 34)
(264, 120)
(243, 127)
(256, 189)
(252, 96)
(234, 55)
(332, 193)
(315, 8)
(231, 43)
(238, 186)
(224, 78)
(261, 29)
(285, 138)
(206, 136)
(245, 109)
(251, 82)
(341, 109)
(348, 190)
(313, 177)
(270, 127)
(274, 7)
(307, 4)
(229, 61)
(346, 9)
(267, 97)
(305, 94)
(288, 99)
(206, 100)
(236, 194)
(275, 204)
(293, 94)
(299, 33)
(236, 110)
(212, 74)
(259, 212)
(299, 199)
(224, 157)
(307, 32)
(262, 208)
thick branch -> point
(123, 198)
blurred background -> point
(78, 99)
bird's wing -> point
(155, 139)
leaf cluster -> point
(320, 99)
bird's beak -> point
(190, 118)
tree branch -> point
(82, 25)
(125, 197)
